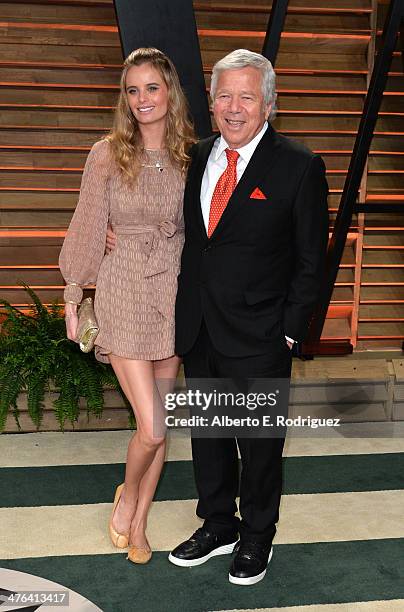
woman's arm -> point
(83, 248)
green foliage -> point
(36, 356)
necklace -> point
(157, 164)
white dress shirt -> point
(217, 164)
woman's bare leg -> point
(146, 451)
(136, 378)
(165, 373)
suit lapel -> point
(204, 149)
(262, 160)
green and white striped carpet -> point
(339, 547)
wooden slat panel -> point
(61, 159)
(332, 122)
(16, 296)
(10, 200)
(380, 163)
(382, 275)
(51, 138)
(40, 179)
(386, 182)
(39, 252)
(52, 13)
(383, 239)
(256, 18)
(59, 34)
(316, 60)
(290, 42)
(55, 96)
(345, 276)
(73, 3)
(383, 257)
(383, 329)
(346, 142)
(21, 74)
(33, 218)
(324, 5)
(56, 118)
(322, 82)
(342, 295)
(380, 311)
(323, 102)
(317, 81)
(62, 53)
(392, 103)
(382, 293)
(30, 277)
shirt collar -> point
(245, 152)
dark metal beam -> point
(274, 30)
(170, 26)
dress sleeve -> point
(84, 245)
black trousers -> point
(215, 460)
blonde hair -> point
(125, 137)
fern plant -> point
(35, 355)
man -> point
(256, 229)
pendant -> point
(157, 165)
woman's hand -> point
(71, 320)
(111, 240)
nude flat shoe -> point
(139, 555)
(119, 540)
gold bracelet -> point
(71, 302)
(72, 285)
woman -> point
(134, 180)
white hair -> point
(243, 58)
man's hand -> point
(290, 344)
(71, 320)
(110, 241)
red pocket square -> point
(258, 195)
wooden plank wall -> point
(59, 71)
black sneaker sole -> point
(251, 579)
(226, 549)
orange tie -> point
(223, 190)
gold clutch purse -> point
(87, 329)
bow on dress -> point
(156, 248)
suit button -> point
(207, 248)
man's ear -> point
(268, 111)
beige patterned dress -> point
(136, 283)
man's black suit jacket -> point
(257, 277)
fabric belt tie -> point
(155, 246)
